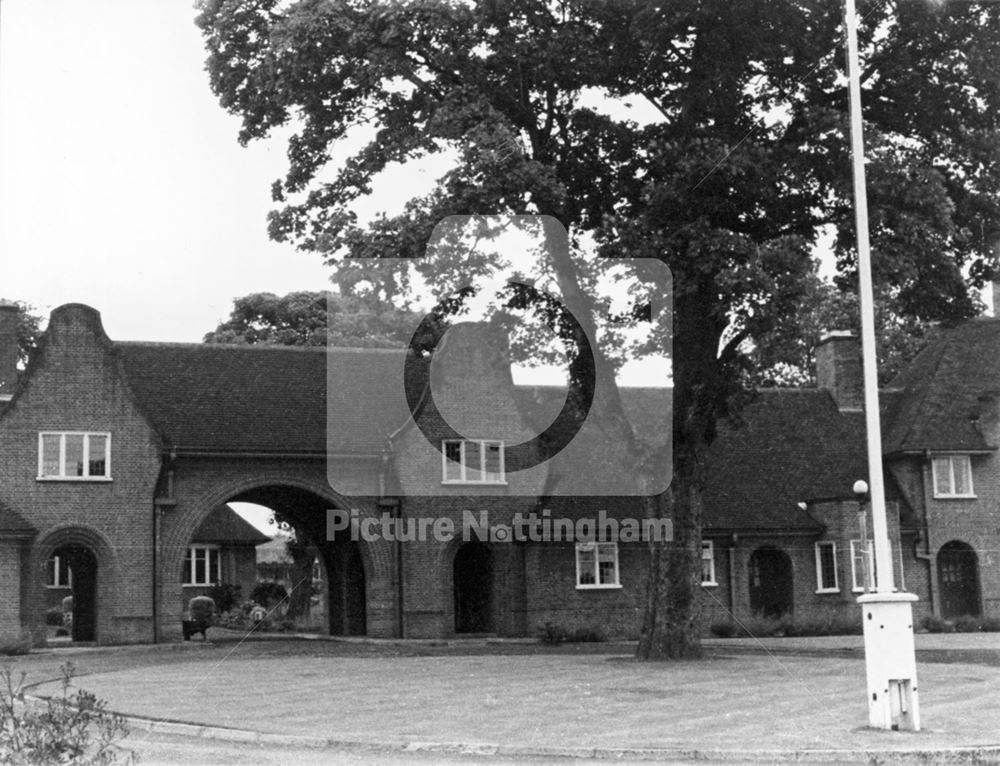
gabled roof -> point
(224, 525)
(12, 524)
(269, 399)
(793, 446)
(953, 381)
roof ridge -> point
(255, 347)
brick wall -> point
(75, 385)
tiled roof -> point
(947, 387)
(793, 446)
(241, 398)
(224, 525)
(13, 524)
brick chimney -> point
(839, 369)
(8, 348)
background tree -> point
(304, 319)
(731, 185)
(786, 356)
(29, 328)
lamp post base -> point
(890, 661)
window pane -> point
(200, 575)
(961, 470)
(187, 566)
(215, 566)
(493, 468)
(51, 576)
(827, 566)
(98, 458)
(942, 475)
(585, 558)
(453, 461)
(707, 561)
(74, 455)
(473, 464)
(50, 455)
(607, 555)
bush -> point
(268, 593)
(723, 629)
(764, 627)
(202, 609)
(16, 648)
(556, 634)
(54, 617)
(225, 595)
(934, 624)
(967, 624)
(71, 728)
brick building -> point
(115, 456)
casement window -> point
(862, 564)
(202, 565)
(952, 476)
(58, 573)
(75, 455)
(597, 565)
(472, 461)
(708, 563)
(826, 568)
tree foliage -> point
(314, 319)
(732, 183)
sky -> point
(122, 184)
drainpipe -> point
(732, 574)
(928, 557)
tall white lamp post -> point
(890, 659)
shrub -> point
(16, 648)
(202, 609)
(268, 593)
(967, 624)
(225, 595)
(552, 634)
(54, 617)
(990, 624)
(721, 629)
(586, 635)
(556, 634)
(68, 728)
(934, 624)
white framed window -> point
(862, 566)
(202, 565)
(597, 565)
(58, 574)
(472, 461)
(708, 563)
(952, 476)
(826, 567)
(74, 455)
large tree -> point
(732, 184)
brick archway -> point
(90, 542)
(373, 560)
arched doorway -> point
(346, 588)
(473, 581)
(770, 582)
(958, 580)
(82, 566)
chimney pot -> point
(8, 347)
